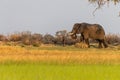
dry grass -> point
(82, 56)
(81, 45)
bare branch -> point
(100, 3)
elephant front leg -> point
(81, 39)
(86, 38)
(100, 44)
(87, 42)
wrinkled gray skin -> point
(93, 31)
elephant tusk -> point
(70, 33)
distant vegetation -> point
(60, 38)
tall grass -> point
(60, 55)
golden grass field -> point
(59, 54)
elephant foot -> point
(106, 46)
(100, 46)
(88, 46)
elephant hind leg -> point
(104, 43)
(100, 43)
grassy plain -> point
(59, 63)
(60, 55)
(59, 72)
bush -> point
(26, 37)
(3, 38)
(48, 39)
(15, 37)
(113, 38)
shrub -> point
(48, 39)
(3, 38)
(113, 38)
(15, 37)
(26, 37)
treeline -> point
(60, 38)
(37, 39)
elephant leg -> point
(104, 43)
(87, 42)
(100, 44)
(81, 38)
(86, 39)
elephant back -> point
(99, 29)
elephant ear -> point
(79, 28)
(76, 26)
(76, 29)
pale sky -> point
(49, 16)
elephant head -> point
(77, 29)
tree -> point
(26, 37)
(3, 38)
(36, 39)
(61, 35)
(48, 39)
(100, 3)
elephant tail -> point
(105, 38)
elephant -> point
(89, 31)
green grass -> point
(42, 71)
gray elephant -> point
(93, 31)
